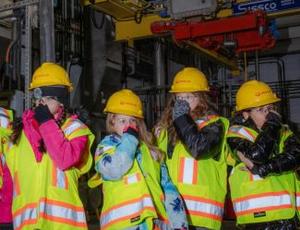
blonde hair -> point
(166, 121)
(144, 135)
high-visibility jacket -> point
(256, 199)
(202, 183)
(46, 197)
(6, 118)
(135, 198)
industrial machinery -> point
(220, 29)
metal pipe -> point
(27, 55)
(257, 69)
(245, 67)
(159, 73)
(47, 39)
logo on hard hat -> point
(262, 93)
(182, 81)
(128, 103)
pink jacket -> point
(65, 153)
(6, 197)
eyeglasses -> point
(124, 121)
(186, 98)
(51, 98)
(264, 109)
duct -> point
(95, 66)
(47, 40)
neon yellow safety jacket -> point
(257, 199)
(135, 198)
(202, 183)
(46, 197)
(6, 118)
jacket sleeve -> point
(289, 160)
(173, 202)
(199, 142)
(113, 162)
(65, 153)
(259, 151)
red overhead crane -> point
(247, 32)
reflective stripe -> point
(66, 213)
(247, 134)
(298, 200)
(16, 185)
(25, 216)
(254, 177)
(262, 202)
(127, 210)
(188, 170)
(4, 122)
(243, 132)
(71, 127)
(133, 178)
(204, 207)
(4, 118)
(204, 121)
(59, 179)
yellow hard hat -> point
(125, 102)
(254, 94)
(50, 74)
(189, 80)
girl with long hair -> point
(192, 136)
(137, 191)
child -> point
(6, 187)
(262, 146)
(51, 151)
(133, 174)
(192, 136)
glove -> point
(261, 170)
(132, 131)
(42, 114)
(180, 108)
(83, 114)
(274, 120)
(237, 119)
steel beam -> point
(17, 5)
(47, 39)
(27, 55)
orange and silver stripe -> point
(26, 215)
(62, 212)
(203, 207)
(262, 202)
(188, 171)
(126, 210)
(59, 179)
(132, 178)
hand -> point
(180, 108)
(42, 114)
(261, 170)
(237, 119)
(274, 119)
(132, 130)
(83, 114)
(246, 161)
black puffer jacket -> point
(265, 143)
(289, 160)
(203, 143)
